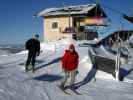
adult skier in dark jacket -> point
(33, 47)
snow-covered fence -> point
(56, 45)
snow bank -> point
(23, 52)
(4, 53)
(53, 46)
(84, 67)
(56, 45)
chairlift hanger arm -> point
(130, 19)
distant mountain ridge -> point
(10, 48)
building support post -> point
(117, 65)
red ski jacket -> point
(70, 60)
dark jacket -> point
(33, 45)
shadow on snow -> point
(49, 63)
(48, 77)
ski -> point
(30, 68)
(64, 90)
(73, 89)
(76, 92)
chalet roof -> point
(73, 10)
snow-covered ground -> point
(16, 84)
(4, 53)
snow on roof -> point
(79, 9)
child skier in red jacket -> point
(69, 65)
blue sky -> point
(17, 23)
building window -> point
(54, 25)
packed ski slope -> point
(16, 84)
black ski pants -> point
(31, 58)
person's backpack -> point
(27, 45)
